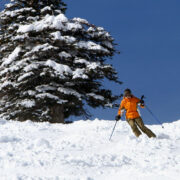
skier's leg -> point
(146, 130)
(134, 127)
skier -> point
(130, 104)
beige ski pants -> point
(137, 124)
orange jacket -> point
(130, 105)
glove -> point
(141, 102)
(118, 117)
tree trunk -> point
(57, 114)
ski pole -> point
(116, 122)
(113, 130)
(154, 116)
(142, 97)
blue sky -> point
(148, 34)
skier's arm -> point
(121, 109)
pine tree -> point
(51, 66)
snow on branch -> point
(69, 91)
(27, 103)
(44, 88)
(79, 73)
(24, 76)
(95, 96)
(12, 56)
(5, 84)
(50, 96)
(91, 46)
(59, 22)
(41, 48)
(80, 20)
(59, 68)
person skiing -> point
(130, 105)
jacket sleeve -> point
(138, 101)
(121, 107)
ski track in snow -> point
(82, 151)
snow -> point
(38, 48)
(68, 39)
(64, 54)
(93, 65)
(91, 29)
(50, 96)
(19, 37)
(56, 35)
(47, 22)
(95, 96)
(62, 17)
(11, 57)
(24, 76)
(9, 5)
(30, 93)
(31, 67)
(18, 11)
(99, 32)
(69, 92)
(30, 18)
(59, 68)
(91, 46)
(27, 103)
(44, 88)
(47, 8)
(73, 26)
(82, 151)
(5, 84)
(81, 61)
(89, 65)
(84, 21)
(59, 22)
(79, 73)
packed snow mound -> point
(82, 151)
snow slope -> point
(82, 151)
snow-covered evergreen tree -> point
(50, 66)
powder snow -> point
(82, 151)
